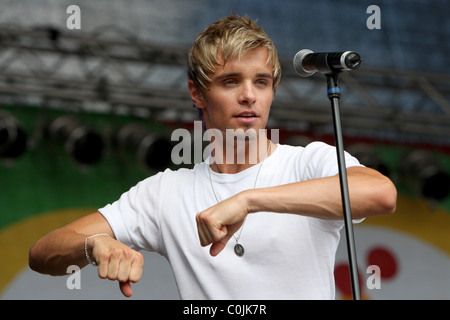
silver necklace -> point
(238, 248)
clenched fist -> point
(217, 224)
(116, 261)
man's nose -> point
(247, 94)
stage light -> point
(297, 140)
(367, 156)
(13, 139)
(153, 151)
(422, 172)
(82, 143)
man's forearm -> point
(67, 246)
(56, 251)
(370, 194)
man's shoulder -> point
(309, 148)
(180, 174)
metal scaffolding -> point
(114, 72)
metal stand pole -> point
(334, 93)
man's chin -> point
(242, 134)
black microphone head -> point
(298, 63)
(351, 60)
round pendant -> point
(239, 250)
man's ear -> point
(196, 95)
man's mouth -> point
(246, 118)
(247, 115)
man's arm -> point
(61, 248)
(370, 194)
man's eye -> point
(262, 82)
(229, 82)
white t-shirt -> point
(287, 256)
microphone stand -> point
(334, 94)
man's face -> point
(240, 93)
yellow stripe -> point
(417, 218)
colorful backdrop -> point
(44, 189)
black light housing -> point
(424, 174)
(367, 156)
(153, 151)
(13, 138)
(81, 142)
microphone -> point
(306, 62)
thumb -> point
(218, 246)
(126, 289)
(230, 230)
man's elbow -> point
(33, 260)
(386, 198)
(36, 259)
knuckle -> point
(139, 258)
(208, 219)
(126, 254)
(122, 278)
(135, 275)
(112, 277)
(116, 253)
(104, 256)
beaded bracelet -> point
(86, 250)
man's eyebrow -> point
(228, 75)
(264, 75)
(238, 74)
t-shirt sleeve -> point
(320, 161)
(134, 217)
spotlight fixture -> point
(13, 139)
(424, 174)
(367, 156)
(153, 151)
(298, 140)
(81, 142)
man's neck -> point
(236, 156)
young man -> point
(265, 228)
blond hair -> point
(228, 38)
